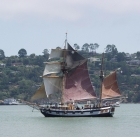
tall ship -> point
(66, 79)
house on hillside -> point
(135, 75)
(10, 101)
(128, 56)
(2, 65)
(133, 62)
(114, 59)
(1, 102)
(92, 59)
(16, 64)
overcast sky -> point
(36, 25)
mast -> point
(65, 47)
(101, 78)
(64, 69)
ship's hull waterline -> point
(97, 112)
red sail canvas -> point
(78, 85)
(110, 87)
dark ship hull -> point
(95, 112)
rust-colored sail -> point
(110, 87)
(40, 94)
(78, 85)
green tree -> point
(22, 53)
(76, 47)
(8, 62)
(46, 53)
(112, 49)
(39, 61)
(120, 56)
(32, 55)
(26, 61)
(85, 47)
(2, 55)
(92, 47)
(138, 54)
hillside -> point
(20, 76)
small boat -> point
(10, 101)
(117, 104)
(66, 78)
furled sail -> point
(40, 94)
(52, 77)
(110, 87)
(52, 68)
(78, 85)
(69, 55)
(56, 53)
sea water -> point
(20, 121)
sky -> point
(36, 25)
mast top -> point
(65, 41)
(66, 35)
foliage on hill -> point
(20, 76)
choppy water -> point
(20, 121)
